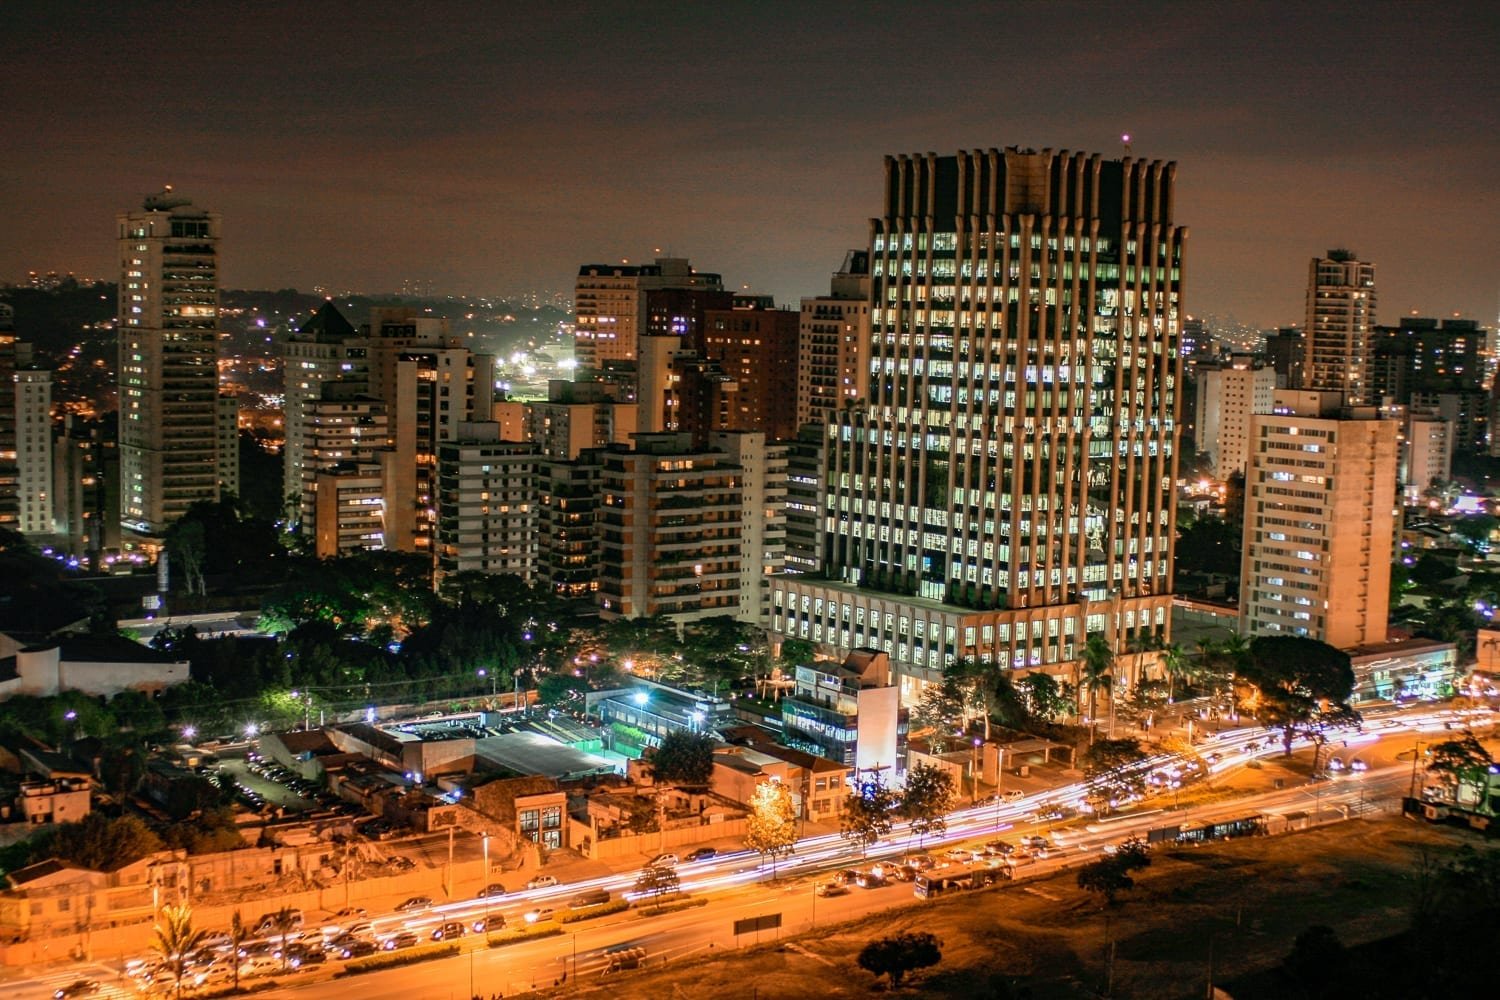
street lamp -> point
(974, 766)
(1416, 755)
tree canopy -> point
(900, 954)
(1110, 875)
(926, 800)
(771, 827)
(684, 758)
(1297, 684)
(866, 813)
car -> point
(901, 873)
(846, 877)
(542, 882)
(77, 988)
(448, 931)
(402, 864)
(493, 922)
(833, 889)
(959, 854)
(999, 848)
(921, 862)
(1358, 764)
(1014, 795)
(402, 939)
(491, 891)
(217, 940)
(414, 903)
(664, 861)
(358, 949)
(1335, 764)
(538, 915)
(1033, 841)
(351, 911)
(308, 960)
(870, 880)
(1214, 757)
(701, 854)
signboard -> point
(751, 925)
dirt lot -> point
(1249, 897)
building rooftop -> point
(526, 753)
(327, 325)
(1400, 647)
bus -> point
(935, 883)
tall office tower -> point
(344, 429)
(168, 373)
(568, 502)
(1008, 488)
(487, 504)
(833, 334)
(609, 305)
(763, 466)
(1340, 319)
(86, 488)
(325, 348)
(1286, 350)
(1320, 521)
(805, 464)
(1227, 396)
(430, 384)
(756, 348)
(33, 416)
(10, 474)
(669, 529)
(576, 416)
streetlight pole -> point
(1416, 755)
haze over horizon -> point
(491, 153)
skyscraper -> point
(168, 372)
(1008, 487)
(834, 332)
(609, 305)
(1340, 318)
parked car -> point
(537, 915)
(358, 949)
(701, 854)
(833, 889)
(414, 903)
(846, 877)
(493, 922)
(664, 861)
(491, 891)
(448, 931)
(1014, 795)
(542, 882)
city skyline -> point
(483, 155)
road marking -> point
(1035, 891)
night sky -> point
(493, 147)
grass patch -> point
(672, 907)
(523, 934)
(590, 912)
(407, 956)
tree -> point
(1461, 763)
(1317, 957)
(1042, 695)
(100, 843)
(1110, 875)
(283, 922)
(899, 954)
(1298, 684)
(1176, 663)
(926, 800)
(684, 758)
(1098, 659)
(940, 711)
(1113, 769)
(796, 651)
(771, 827)
(1475, 530)
(656, 881)
(175, 940)
(238, 935)
(560, 688)
(989, 688)
(866, 813)
(138, 712)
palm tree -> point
(238, 935)
(175, 941)
(1098, 660)
(283, 922)
(1174, 660)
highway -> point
(738, 884)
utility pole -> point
(450, 861)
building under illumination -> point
(1338, 344)
(1007, 488)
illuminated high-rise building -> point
(609, 305)
(1340, 320)
(168, 371)
(1007, 489)
(834, 332)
